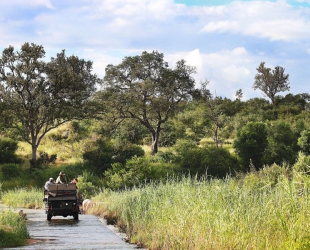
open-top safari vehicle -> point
(61, 200)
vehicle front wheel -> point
(76, 216)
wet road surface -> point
(65, 233)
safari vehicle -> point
(61, 200)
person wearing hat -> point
(49, 182)
(59, 178)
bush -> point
(43, 161)
(10, 171)
(137, 171)
(7, 151)
(251, 144)
(268, 176)
(304, 141)
(282, 144)
(85, 185)
(99, 156)
(127, 151)
(216, 162)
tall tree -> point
(271, 82)
(144, 88)
(37, 96)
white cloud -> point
(275, 21)
(225, 43)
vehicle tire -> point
(49, 217)
(76, 216)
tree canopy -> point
(144, 88)
(271, 82)
(37, 96)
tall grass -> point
(216, 214)
(13, 231)
(23, 197)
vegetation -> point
(145, 89)
(37, 97)
(246, 162)
(271, 82)
(267, 209)
(13, 230)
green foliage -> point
(182, 145)
(145, 89)
(13, 230)
(191, 123)
(138, 170)
(271, 82)
(10, 171)
(126, 151)
(99, 156)
(268, 176)
(43, 161)
(7, 151)
(38, 96)
(282, 144)
(302, 164)
(251, 144)
(304, 141)
(165, 157)
(267, 211)
(211, 161)
(87, 185)
(23, 197)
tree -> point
(282, 144)
(38, 96)
(251, 144)
(271, 82)
(144, 88)
(214, 108)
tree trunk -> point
(34, 148)
(34, 153)
(154, 147)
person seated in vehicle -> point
(59, 179)
(49, 182)
(75, 180)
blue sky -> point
(225, 40)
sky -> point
(225, 40)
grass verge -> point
(13, 230)
(252, 213)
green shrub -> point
(304, 141)
(10, 171)
(213, 161)
(137, 171)
(87, 185)
(99, 156)
(7, 151)
(282, 144)
(268, 176)
(251, 144)
(302, 164)
(43, 161)
(127, 151)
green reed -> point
(23, 197)
(215, 214)
(13, 230)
